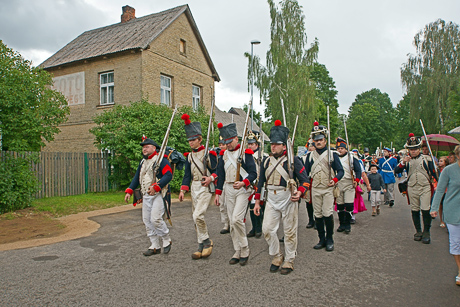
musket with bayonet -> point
(290, 153)
(329, 162)
(429, 148)
(239, 160)
(206, 148)
(350, 158)
(157, 163)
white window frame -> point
(108, 88)
(165, 90)
(196, 98)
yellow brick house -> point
(160, 57)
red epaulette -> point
(222, 152)
(186, 154)
(212, 152)
(249, 151)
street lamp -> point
(253, 42)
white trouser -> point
(201, 198)
(389, 195)
(375, 198)
(323, 201)
(223, 211)
(237, 202)
(152, 215)
(280, 208)
(347, 192)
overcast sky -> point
(363, 43)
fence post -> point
(86, 172)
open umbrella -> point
(441, 142)
(455, 131)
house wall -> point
(136, 75)
(164, 57)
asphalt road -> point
(378, 264)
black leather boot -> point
(417, 225)
(347, 222)
(311, 218)
(329, 221)
(321, 233)
(426, 226)
(252, 232)
(341, 215)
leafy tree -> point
(30, 111)
(120, 130)
(404, 124)
(381, 127)
(326, 93)
(453, 104)
(257, 115)
(432, 73)
(287, 72)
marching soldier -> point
(347, 186)
(256, 220)
(308, 202)
(419, 170)
(387, 166)
(318, 166)
(367, 160)
(280, 204)
(237, 190)
(222, 206)
(198, 180)
(153, 190)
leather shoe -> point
(151, 252)
(244, 260)
(311, 224)
(285, 271)
(234, 261)
(320, 245)
(251, 234)
(224, 231)
(258, 235)
(340, 228)
(352, 221)
(418, 236)
(281, 240)
(274, 268)
(329, 246)
(167, 248)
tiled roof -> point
(137, 33)
(238, 116)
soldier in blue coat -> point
(387, 165)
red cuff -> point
(246, 182)
(335, 179)
(218, 192)
(214, 175)
(257, 196)
(156, 187)
(401, 165)
(130, 191)
(184, 187)
(301, 189)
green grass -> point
(61, 206)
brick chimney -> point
(128, 13)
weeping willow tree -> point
(432, 73)
(287, 72)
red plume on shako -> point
(186, 118)
(220, 125)
(278, 122)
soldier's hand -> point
(406, 159)
(331, 183)
(238, 185)
(384, 190)
(127, 197)
(216, 201)
(296, 196)
(257, 208)
(205, 181)
(152, 190)
(181, 196)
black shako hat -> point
(227, 132)
(253, 136)
(341, 143)
(278, 133)
(413, 142)
(366, 149)
(192, 130)
(221, 139)
(147, 141)
(318, 132)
